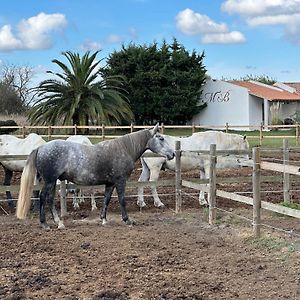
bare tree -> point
(19, 77)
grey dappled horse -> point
(109, 162)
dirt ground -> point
(164, 256)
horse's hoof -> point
(141, 204)
(45, 227)
(61, 226)
(104, 222)
(130, 222)
(159, 205)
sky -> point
(238, 37)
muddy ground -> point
(163, 256)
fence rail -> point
(107, 132)
(178, 183)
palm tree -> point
(80, 95)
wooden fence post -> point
(178, 176)
(193, 129)
(261, 133)
(103, 132)
(297, 133)
(286, 176)
(256, 192)
(131, 128)
(49, 132)
(75, 129)
(63, 199)
(24, 132)
(226, 127)
(212, 185)
(162, 128)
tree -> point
(260, 78)
(80, 95)
(18, 78)
(10, 102)
(164, 83)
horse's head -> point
(159, 145)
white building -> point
(246, 103)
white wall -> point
(289, 109)
(226, 103)
(255, 110)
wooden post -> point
(226, 127)
(193, 129)
(256, 192)
(131, 128)
(178, 176)
(24, 132)
(63, 199)
(212, 185)
(297, 133)
(49, 133)
(162, 128)
(261, 133)
(103, 132)
(75, 129)
(286, 176)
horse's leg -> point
(42, 208)
(7, 181)
(36, 194)
(120, 186)
(202, 200)
(49, 193)
(107, 196)
(93, 200)
(80, 195)
(145, 175)
(154, 175)
(51, 202)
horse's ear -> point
(245, 137)
(154, 129)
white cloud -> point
(193, 23)
(285, 13)
(233, 37)
(114, 39)
(133, 33)
(91, 46)
(32, 33)
(259, 7)
(7, 39)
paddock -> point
(166, 255)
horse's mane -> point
(133, 143)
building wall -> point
(256, 110)
(289, 109)
(226, 103)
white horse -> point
(151, 166)
(12, 145)
(78, 196)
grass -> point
(291, 205)
(273, 243)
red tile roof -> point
(295, 85)
(267, 92)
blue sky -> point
(239, 37)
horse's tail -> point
(26, 186)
